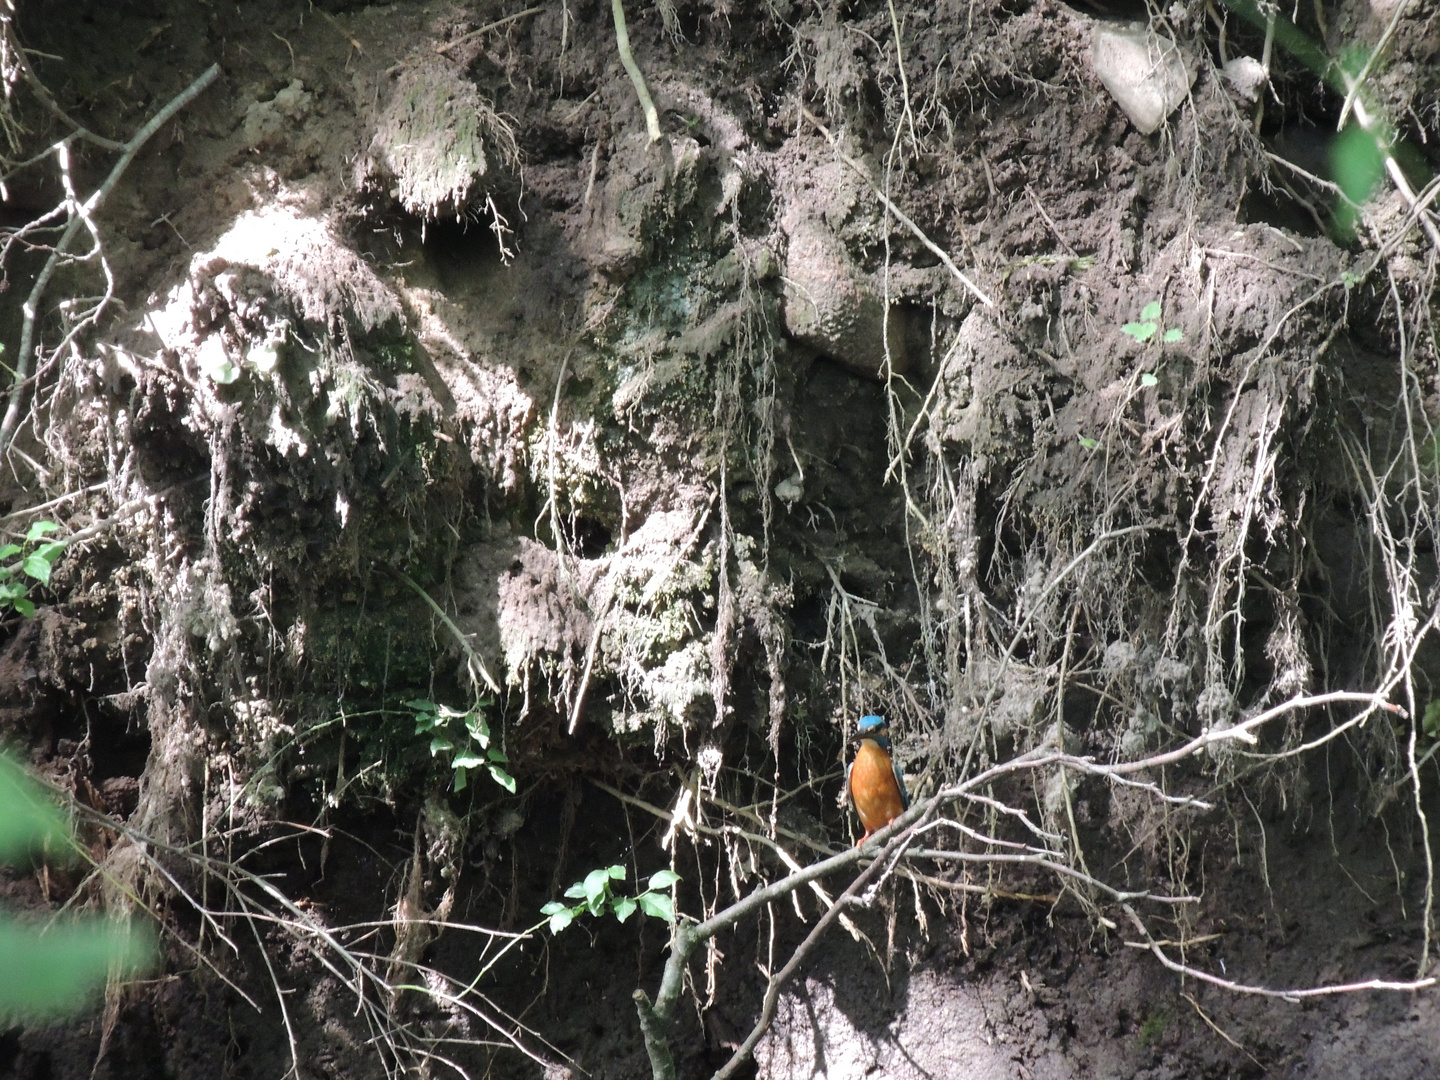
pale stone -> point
(1146, 74)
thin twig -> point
(41, 91)
(475, 663)
(473, 34)
(778, 980)
(1218, 1029)
(904, 219)
(80, 216)
(1063, 869)
(40, 508)
(1153, 947)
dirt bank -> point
(468, 491)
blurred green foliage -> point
(1357, 162)
(52, 968)
(1358, 154)
(1430, 722)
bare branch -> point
(1153, 946)
(81, 214)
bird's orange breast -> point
(873, 787)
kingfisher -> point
(876, 783)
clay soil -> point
(622, 409)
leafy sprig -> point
(56, 967)
(33, 559)
(465, 736)
(597, 895)
(1144, 330)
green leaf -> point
(466, 760)
(462, 778)
(662, 879)
(616, 872)
(25, 607)
(218, 367)
(9, 550)
(54, 970)
(12, 590)
(1140, 331)
(479, 730)
(1430, 454)
(552, 907)
(39, 530)
(496, 754)
(561, 919)
(576, 891)
(623, 907)
(1148, 379)
(263, 356)
(657, 904)
(1088, 443)
(27, 818)
(36, 567)
(438, 743)
(597, 884)
(1173, 335)
(1151, 310)
(503, 778)
(1431, 720)
(428, 716)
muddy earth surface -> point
(465, 490)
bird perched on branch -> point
(876, 783)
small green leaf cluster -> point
(1144, 330)
(262, 357)
(53, 970)
(465, 736)
(596, 896)
(34, 558)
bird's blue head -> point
(873, 727)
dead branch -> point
(81, 215)
(778, 980)
(888, 846)
(1153, 947)
(473, 34)
(257, 900)
(475, 666)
